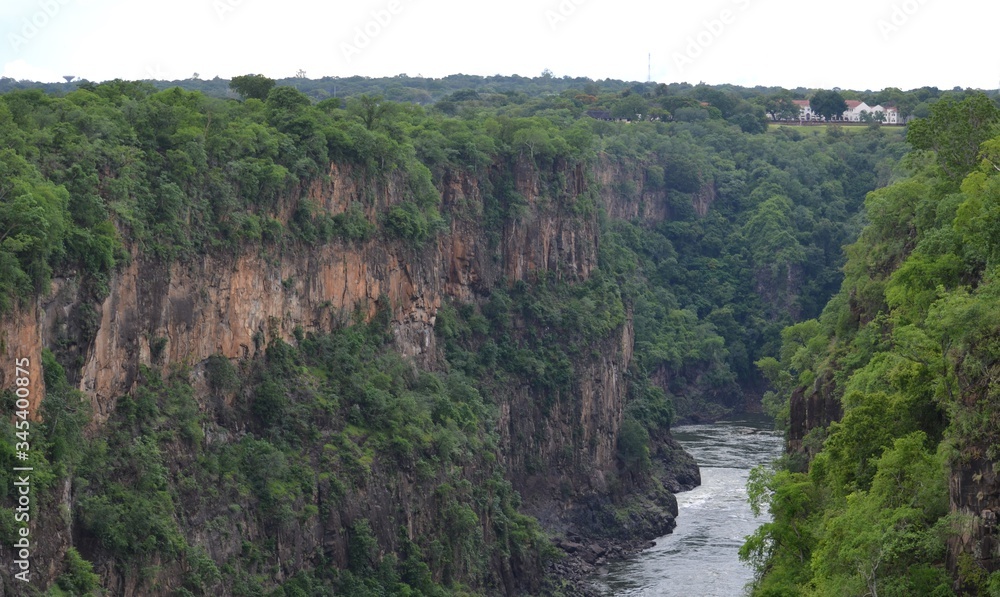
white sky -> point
(853, 44)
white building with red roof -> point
(805, 112)
(854, 110)
(854, 113)
(891, 114)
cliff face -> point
(20, 338)
(779, 287)
(815, 409)
(974, 490)
(568, 448)
(160, 315)
(626, 195)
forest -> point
(896, 494)
(720, 243)
(179, 173)
(605, 93)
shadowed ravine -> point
(700, 557)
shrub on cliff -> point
(633, 447)
(409, 222)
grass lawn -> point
(817, 129)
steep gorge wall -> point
(569, 447)
(974, 498)
(219, 304)
(21, 338)
(812, 409)
(160, 314)
(625, 194)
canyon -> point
(161, 315)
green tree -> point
(631, 107)
(955, 131)
(371, 109)
(883, 541)
(781, 106)
(749, 123)
(770, 233)
(828, 104)
(778, 549)
(633, 447)
(725, 102)
(252, 86)
(33, 221)
(78, 577)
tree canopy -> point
(908, 350)
(710, 233)
(252, 86)
(828, 104)
(955, 131)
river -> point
(700, 558)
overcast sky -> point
(854, 44)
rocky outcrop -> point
(779, 286)
(704, 198)
(627, 193)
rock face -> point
(625, 194)
(810, 410)
(974, 490)
(159, 315)
(570, 447)
(20, 339)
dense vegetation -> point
(909, 349)
(738, 234)
(515, 88)
(178, 173)
(339, 415)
